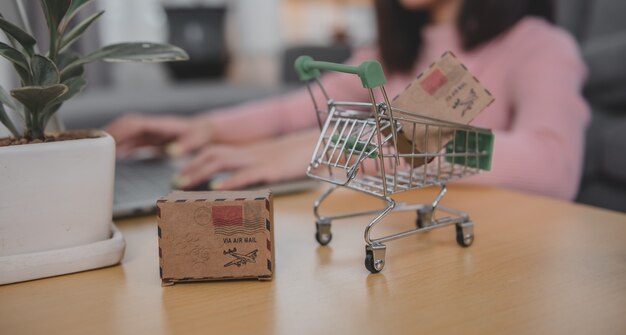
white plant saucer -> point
(22, 267)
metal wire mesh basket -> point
(380, 150)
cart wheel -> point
(419, 222)
(322, 233)
(424, 217)
(369, 262)
(465, 234)
(375, 259)
(323, 239)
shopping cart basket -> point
(358, 148)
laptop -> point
(140, 181)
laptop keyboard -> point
(142, 180)
(140, 183)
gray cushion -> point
(602, 193)
(606, 58)
(605, 154)
(600, 28)
(571, 14)
(604, 17)
(614, 160)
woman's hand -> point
(266, 162)
(176, 135)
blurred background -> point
(244, 49)
(239, 50)
(239, 41)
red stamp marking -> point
(434, 82)
(227, 216)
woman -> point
(532, 68)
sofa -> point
(600, 28)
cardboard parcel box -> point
(215, 236)
(445, 91)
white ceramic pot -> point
(56, 195)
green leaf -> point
(49, 112)
(18, 60)
(138, 52)
(75, 6)
(66, 58)
(55, 10)
(6, 121)
(74, 85)
(133, 52)
(36, 98)
(24, 75)
(13, 55)
(23, 38)
(44, 70)
(6, 99)
(80, 28)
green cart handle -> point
(370, 71)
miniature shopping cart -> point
(358, 148)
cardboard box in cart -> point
(446, 91)
(215, 236)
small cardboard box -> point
(215, 236)
(446, 91)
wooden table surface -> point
(537, 266)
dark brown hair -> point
(400, 30)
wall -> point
(257, 31)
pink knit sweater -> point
(535, 72)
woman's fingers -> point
(251, 164)
(188, 142)
(203, 157)
(208, 162)
(200, 165)
(202, 175)
(242, 178)
(133, 131)
(126, 148)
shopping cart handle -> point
(370, 71)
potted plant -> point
(56, 190)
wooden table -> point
(537, 266)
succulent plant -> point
(48, 80)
